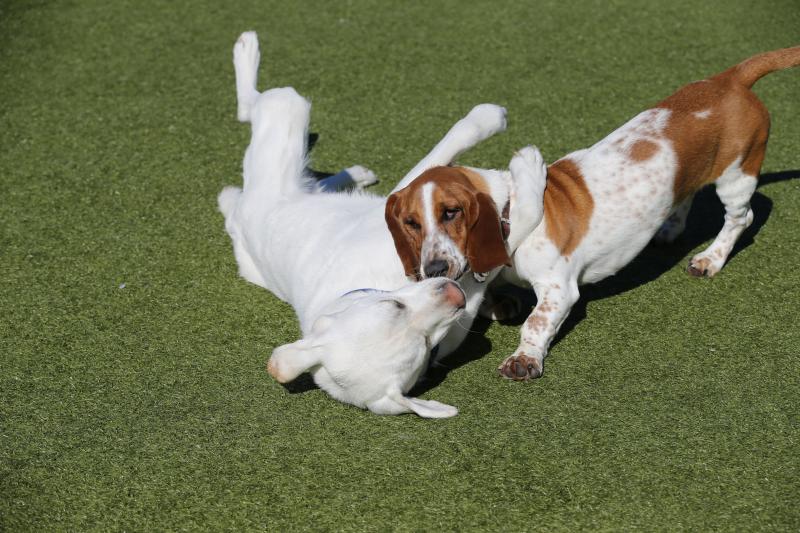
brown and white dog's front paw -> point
(702, 267)
(521, 367)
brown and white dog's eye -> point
(413, 224)
(450, 213)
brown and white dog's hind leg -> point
(672, 228)
(734, 188)
(554, 302)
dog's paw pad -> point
(520, 368)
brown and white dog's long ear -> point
(407, 252)
(486, 249)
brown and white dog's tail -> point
(749, 71)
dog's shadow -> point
(703, 224)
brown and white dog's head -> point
(445, 223)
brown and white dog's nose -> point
(453, 294)
(436, 268)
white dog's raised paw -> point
(488, 119)
(246, 58)
(362, 176)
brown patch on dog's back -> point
(568, 206)
(643, 150)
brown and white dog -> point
(603, 204)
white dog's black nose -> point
(453, 294)
(436, 269)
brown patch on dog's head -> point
(461, 209)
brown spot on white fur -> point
(568, 206)
(642, 150)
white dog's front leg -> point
(481, 123)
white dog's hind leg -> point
(481, 123)
(275, 161)
(245, 62)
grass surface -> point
(132, 386)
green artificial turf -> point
(133, 391)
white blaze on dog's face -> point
(445, 223)
(370, 346)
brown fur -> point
(568, 206)
(643, 150)
(475, 230)
(737, 126)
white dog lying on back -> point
(312, 249)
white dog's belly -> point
(313, 249)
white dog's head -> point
(369, 347)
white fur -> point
(309, 248)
